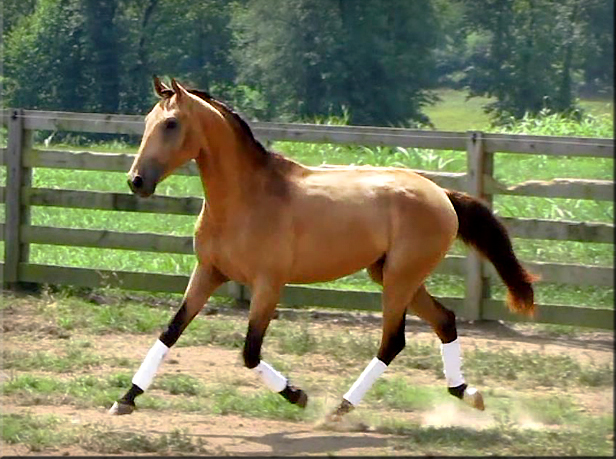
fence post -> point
(479, 164)
(17, 214)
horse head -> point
(170, 138)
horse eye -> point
(171, 124)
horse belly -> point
(329, 251)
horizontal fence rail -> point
(19, 196)
(360, 135)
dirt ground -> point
(244, 436)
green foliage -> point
(300, 59)
(13, 11)
(531, 50)
(312, 58)
(597, 42)
(44, 58)
(548, 122)
(191, 41)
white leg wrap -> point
(144, 376)
(272, 379)
(452, 363)
(365, 381)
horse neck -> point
(229, 166)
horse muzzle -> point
(142, 186)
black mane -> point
(240, 121)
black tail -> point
(479, 228)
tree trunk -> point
(100, 16)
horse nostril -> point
(137, 182)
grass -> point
(298, 338)
(88, 391)
(264, 405)
(73, 360)
(396, 393)
(506, 407)
(175, 442)
(41, 432)
(192, 395)
(37, 432)
(520, 368)
(393, 406)
(598, 107)
(589, 437)
(586, 437)
(455, 112)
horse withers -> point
(269, 221)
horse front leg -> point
(262, 306)
(203, 281)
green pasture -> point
(457, 112)
(509, 168)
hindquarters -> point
(423, 222)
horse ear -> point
(179, 91)
(161, 88)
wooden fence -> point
(18, 195)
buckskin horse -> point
(268, 221)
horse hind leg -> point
(397, 293)
(443, 322)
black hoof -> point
(458, 391)
(120, 408)
(295, 395)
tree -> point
(135, 22)
(192, 39)
(453, 43)
(316, 57)
(44, 58)
(597, 46)
(104, 54)
(534, 47)
(13, 11)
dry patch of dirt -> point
(231, 435)
(244, 436)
